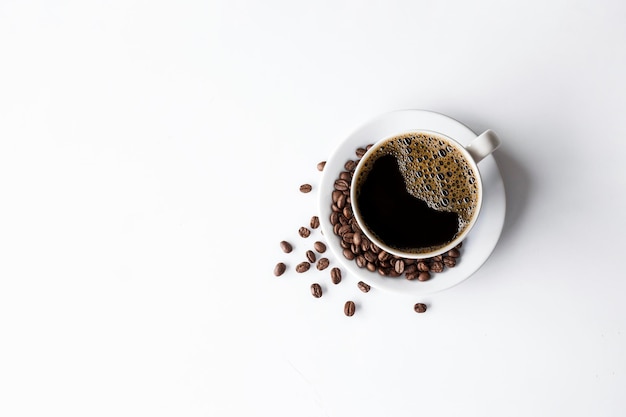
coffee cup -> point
(417, 194)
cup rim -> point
(409, 255)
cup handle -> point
(483, 145)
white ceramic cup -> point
(470, 155)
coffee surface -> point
(416, 192)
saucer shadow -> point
(516, 187)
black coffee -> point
(416, 192)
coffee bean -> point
(345, 175)
(347, 253)
(310, 255)
(363, 286)
(306, 188)
(423, 276)
(342, 185)
(316, 290)
(315, 222)
(335, 275)
(286, 246)
(436, 266)
(420, 308)
(422, 266)
(454, 253)
(319, 247)
(410, 268)
(371, 267)
(412, 275)
(323, 264)
(449, 261)
(360, 152)
(302, 267)
(304, 232)
(279, 269)
(399, 266)
(321, 165)
(349, 308)
(360, 261)
(350, 165)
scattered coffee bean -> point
(422, 266)
(360, 152)
(286, 246)
(323, 264)
(304, 232)
(363, 286)
(420, 308)
(342, 185)
(302, 267)
(306, 188)
(423, 276)
(449, 261)
(321, 165)
(349, 308)
(454, 253)
(279, 269)
(350, 165)
(436, 266)
(310, 255)
(316, 290)
(335, 275)
(315, 222)
(320, 247)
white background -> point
(150, 159)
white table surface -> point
(150, 159)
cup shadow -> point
(517, 186)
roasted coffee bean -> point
(371, 267)
(347, 253)
(323, 264)
(393, 273)
(345, 175)
(449, 261)
(423, 276)
(335, 195)
(363, 286)
(286, 246)
(345, 245)
(370, 256)
(302, 267)
(321, 165)
(356, 238)
(436, 266)
(348, 237)
(342, 185)
(304, 232)
(316, 290)
(279, 269)
(360, 261)
(320, 247)
(420, 308)
(310, 255)
(335, 275)
(349, 308)
(306, 188)
(383, 255)
(459, 245)
(341, 201)
(350, 165)
(454, 253)
(347, 212)
(315, 222)
(334, 218)
(412, 275)
(422, 266)
(360, 152)
(399, 266)
(344, 229)
(410, 268)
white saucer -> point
(478, 244)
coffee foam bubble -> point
(434, 171)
